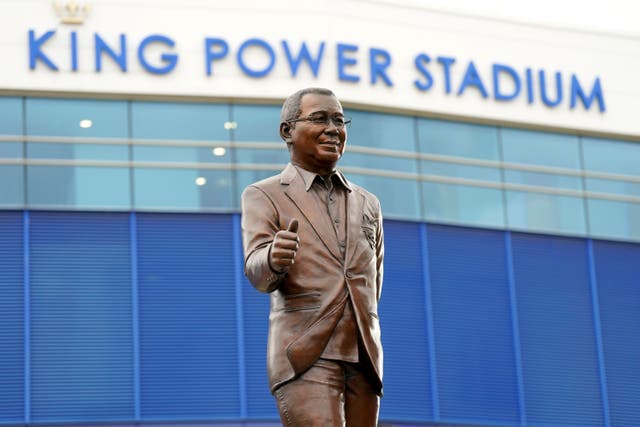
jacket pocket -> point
(302, 301)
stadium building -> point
(506, 157)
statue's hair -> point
(291, 106)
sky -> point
(610, 16)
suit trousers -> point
(330, 393)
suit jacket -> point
(307, 302)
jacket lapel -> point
(310, 208)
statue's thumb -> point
(293, 226)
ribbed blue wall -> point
(145, 317)
(188, 349)
(557, 331)
(617, 271)
(12, 337)
(80, 323)
(477, 379)
(407, 377)
(255, 309)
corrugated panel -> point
(11, 318)
(188, 341)
(402, 312)
(255, 306)
(477, 377)
(617, 267)
(81, 352)
(559, 356)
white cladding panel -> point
(402, 31)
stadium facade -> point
(506, 157)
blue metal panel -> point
(515, 325)
(617, 267)
(404, 327)
(255, 306)
(559, 354)
(476, 366)
(188, 337)
(11, 318)
(81, 367)
(238, 286)
(255, 315)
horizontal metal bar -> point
(382, 152)
(276, 167)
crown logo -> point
(71, 11)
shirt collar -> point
(308, 178)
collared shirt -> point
(332, 193)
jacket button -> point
(349, 275)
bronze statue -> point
(314, 241)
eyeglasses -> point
(339, 122)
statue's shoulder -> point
(267, 183)
(366, 193)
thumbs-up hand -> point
(284, 247)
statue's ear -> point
(285, 132)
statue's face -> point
(317, 143)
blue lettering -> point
(74, 51)
(420, 63)
(446, 66)
(471, 78)
(120, 59)
(303, 54)
(529, 75)
(259, 43)
(543, 89)
(221, 50)
(379, 68)
(501, 69)
(170, 59)
(344, 61)
(596, 93)
(35, 54)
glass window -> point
(182, 189)
(79, 186)
(541, 149)
(76, 117)
(458, 139)
(546, 213)
(182, 154)
(54, 151)
(12, 185)
(11, 171)
(613, 218)
(270, 156)
(399, 198)
(540, 211)
(189, 168)
(463, 204)
(248, 177)
(11, 122)
(459, 203)
(606, 155)
(176, 120)
(378, 162)
(377, 130)
(69, 171)
(256, 123)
